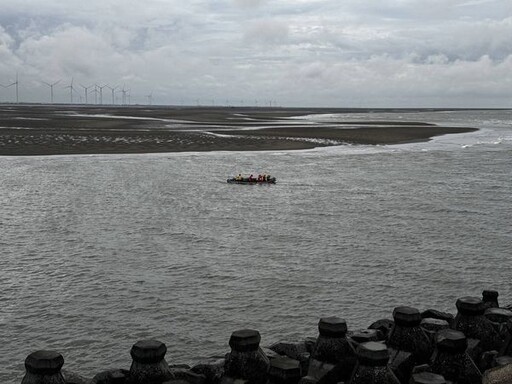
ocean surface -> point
(99, 252)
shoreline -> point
(67, 130)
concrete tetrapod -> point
(471, 321)
(149, 365)
(43, 367)
(451, 360)
(333, 356)
(407, 334)
(371, 367)
(246, 361)
(409, 345)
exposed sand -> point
(74, 129)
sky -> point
(291, 53)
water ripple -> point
(101, 251)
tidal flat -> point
(85, 129)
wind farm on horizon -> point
(73, 93)
(75, 96)
(101, 93)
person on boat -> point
(251, 178)
(239, 177)
(260, 177)
(268, 177)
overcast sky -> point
(339, 53)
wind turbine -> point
(85, 91)
(150, 98)
(123, 91)
(51, 88)
(3, 86)
(16, 84)
(113, 89)
(71, 89)
(95, 90)
(126, 95)
(17, 99)
(101, 91)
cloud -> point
(249, 3)
(5, 40)
(68, 51)
(266, 32)
(318, 52)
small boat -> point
(245, 180)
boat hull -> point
(234, 181)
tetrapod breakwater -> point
(472, 345)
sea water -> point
(101, 251)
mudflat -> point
(80, 129)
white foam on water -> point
(27, 118)
(108, 116)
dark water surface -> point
(99, 252)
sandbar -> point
(78, 129)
